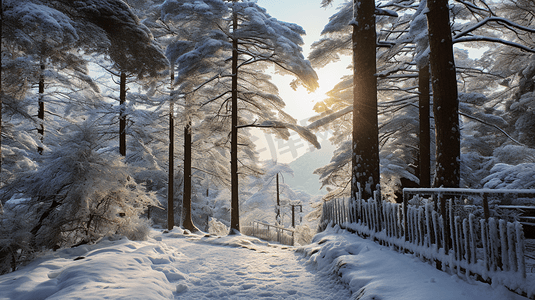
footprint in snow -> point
(247, 286)
(180, 288)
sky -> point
(175, 265)
(299, 104)
(312, 17)
(309, 15)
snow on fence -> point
(273, 233)
(491, 250)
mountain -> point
(304, 179)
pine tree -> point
(445, 97)
(236, 30)
(391, 60)
(365, 158)
(58, 218)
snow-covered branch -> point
(480, 38)
(492, 19)
(492, 125)
(329, 118)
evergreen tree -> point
(56, 189)
(253, 40)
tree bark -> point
(1, 90)
(234, 210)
(171, 171)
(41, 111)
(445, 97)
(122, 116)
(424, 155)
(365, 158)
(187, 223)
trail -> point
(241, 268)
(171, 265)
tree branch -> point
(479, 38)
(492, 125)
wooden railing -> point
(492, 250)
(273, 233)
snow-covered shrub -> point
(504, 176)
(514, 154)
(80, 193)
(15, 235)
(217, 228)
(135, 228)
(304, 234)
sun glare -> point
(299, 104)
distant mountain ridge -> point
(304, 179)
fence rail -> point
(492, 250)
(273, 233)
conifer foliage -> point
(253, 40)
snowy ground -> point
(376, 272)
(171, 266)
(178, 266)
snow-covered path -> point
(171, 266)
(259, 271)
(175, 265)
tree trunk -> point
(41, 111)
(122, 116)
(1, 91)
(234, 210)
(171, 171)
(424, 154)
(187, 223)
(365, 158)
(445, 97)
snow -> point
(377, 272)
(181, 265)
(53, 26)
(172, 265)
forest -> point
(118, 114)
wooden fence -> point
(490, 250)
(273, 233)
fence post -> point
(493, 245)
(337, 211)
(520, 249)
(486, 212)
(503, 241)
(405, 222)
(379, 210)
(444, 215)
(513, 266)
(451, 227)
(473, 238)
(421, 226)
(486, 245)
(458, 242)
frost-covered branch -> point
(304, 132)
(474, 8)
(329, 118)
(492, 125)
(493, 19)
(479, 38)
